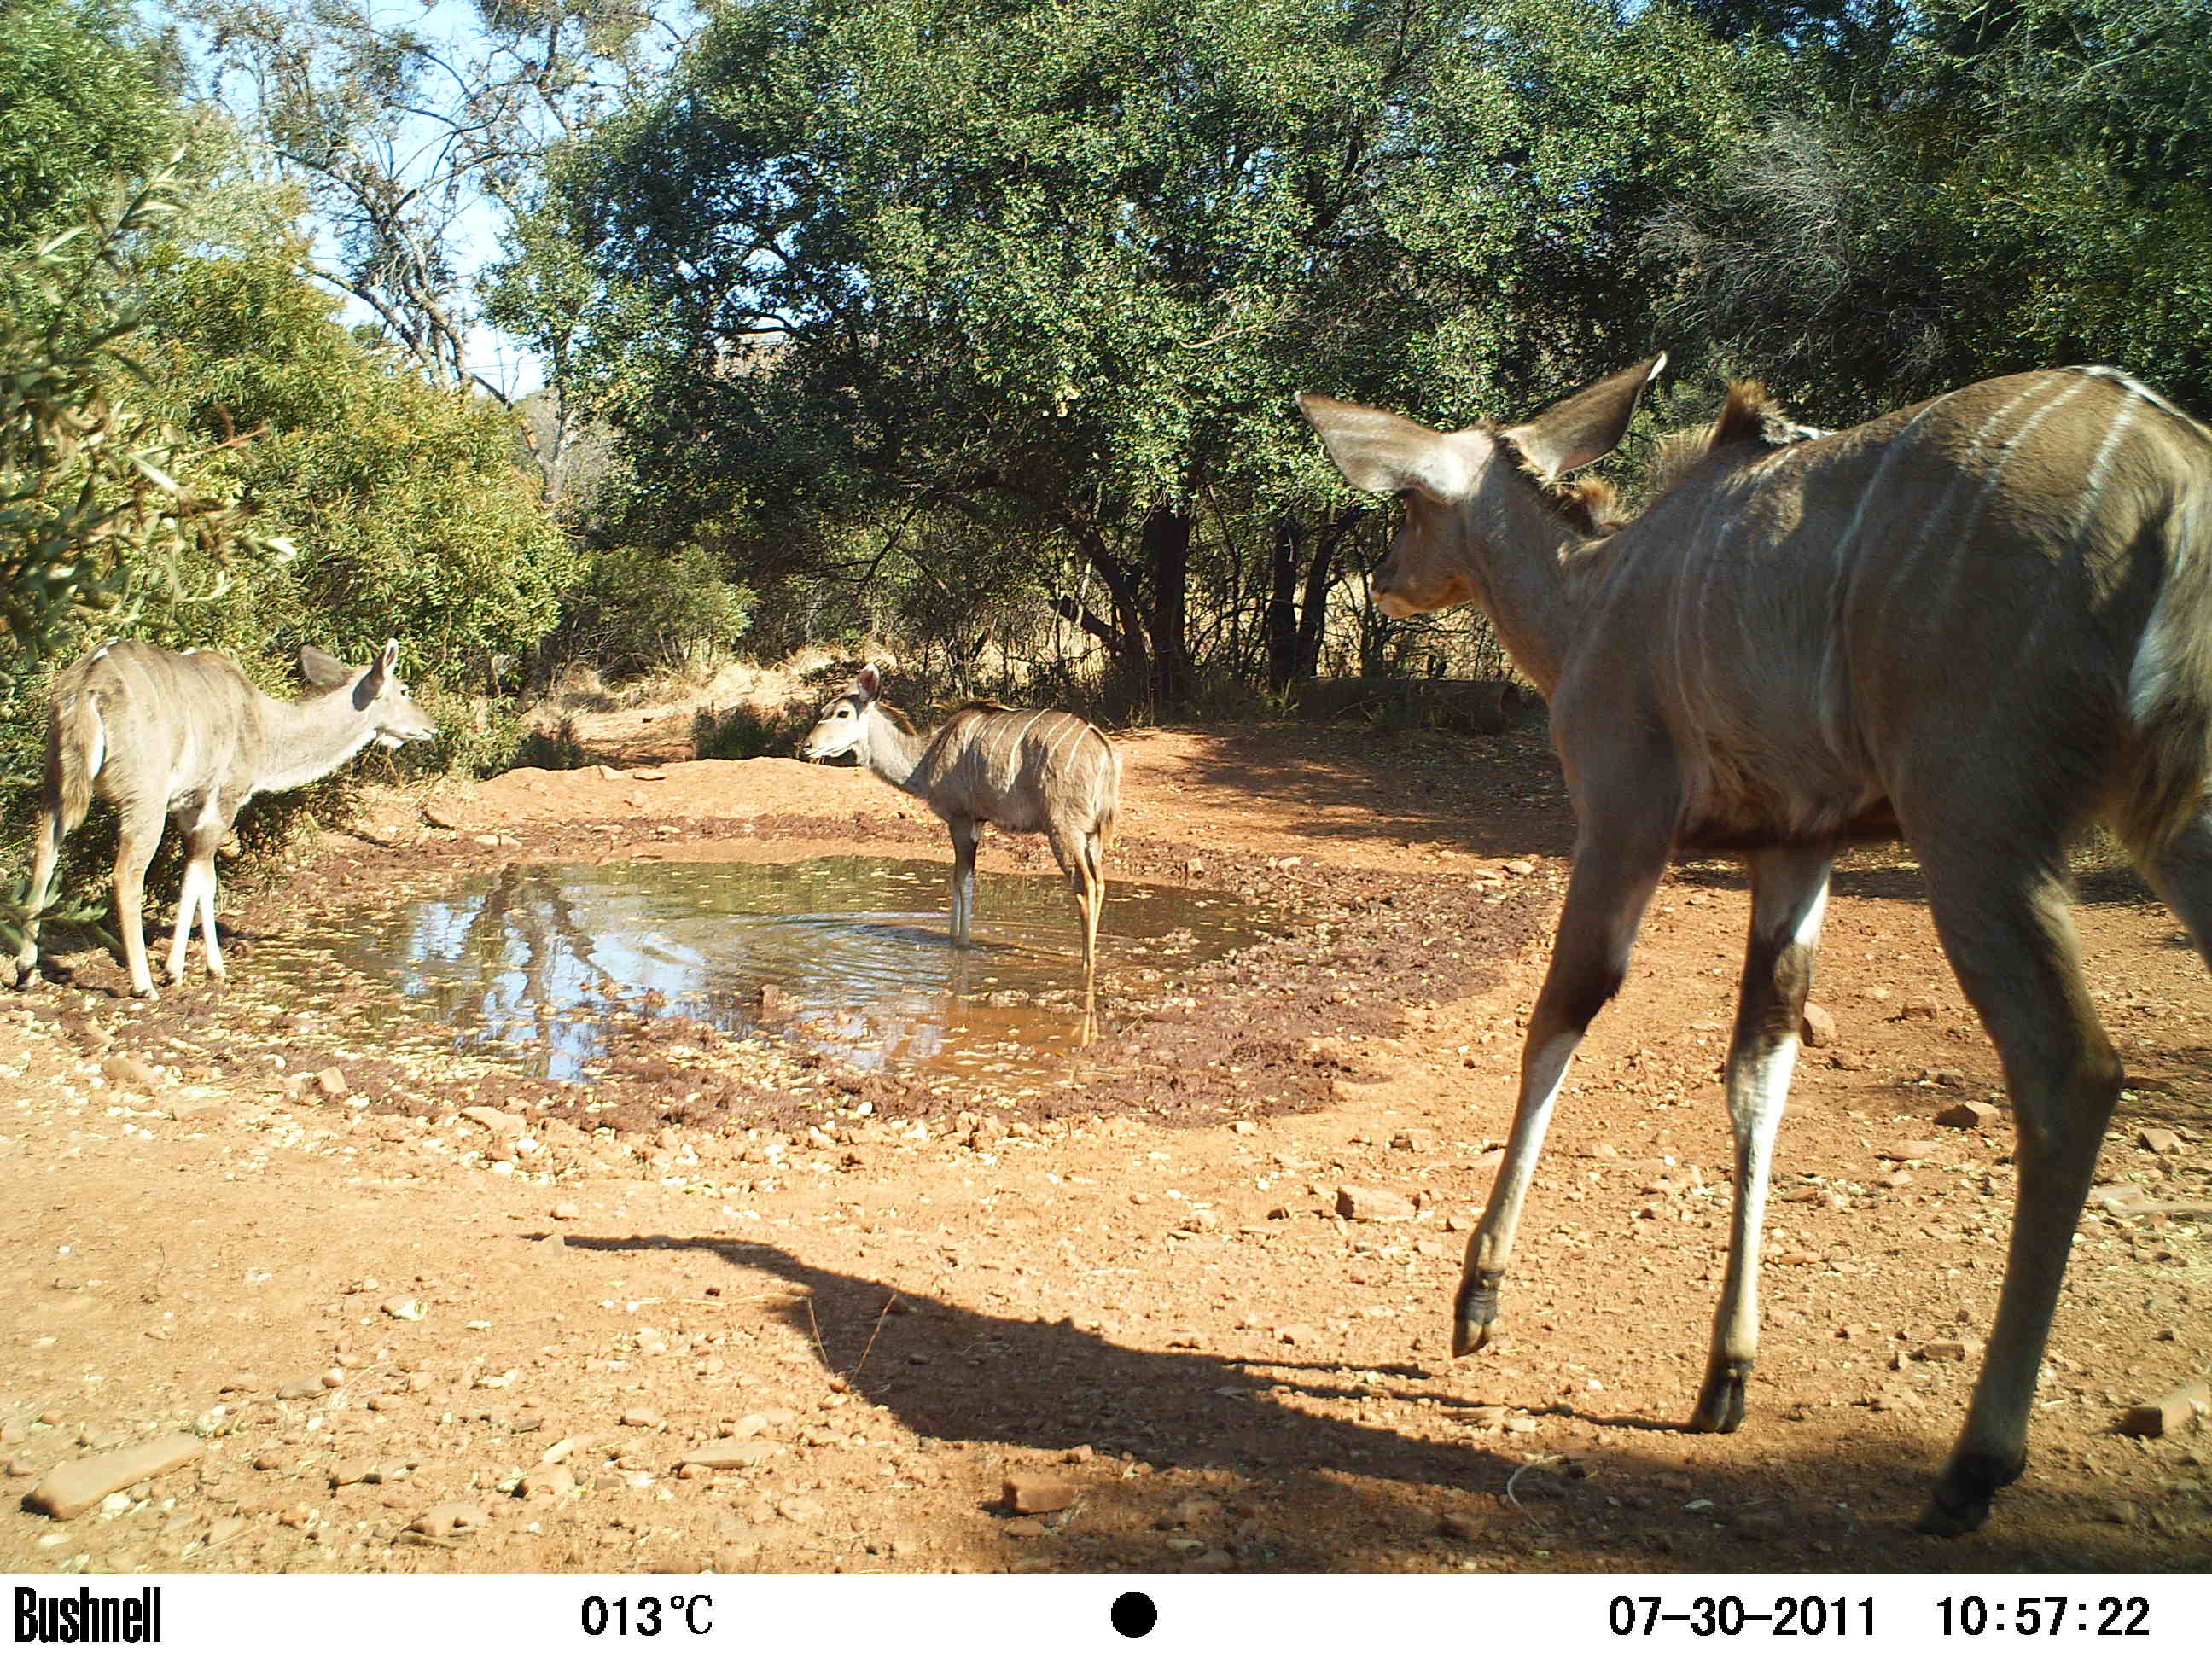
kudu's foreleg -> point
(195, 897)
(964, 837)
(46, 848)
(1615, 874)
(1789, 895)
(2004, 924)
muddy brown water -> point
(539, 963)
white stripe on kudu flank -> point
(2011, 447)
(2093, 491)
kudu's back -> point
(1810, 622)
(1025, 769)
(132, 721)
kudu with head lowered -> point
(158, 734)
(1976, 623)
(1020, 768)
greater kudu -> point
(1976, 623)
(156, 733)
(1022, 770)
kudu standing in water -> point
(156, 733)
(1976, 623)
(1019, 768)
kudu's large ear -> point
(868, 683)
(1577, 430)
(321, 668)
(388, 659)
(1385, 453)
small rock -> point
(331, 1084)
(2117, 1513)
(800, 1509)
(2165, 1142)
(449, 1520)
(2115, 1197)
(300, 1388)
(75, 1487)
(1296, 1336)
(1907, 1151)
(640, 1420)
(20, 1465)
(1038, 1494)
(499, 1122)
(129, 1071)
(1409, 1140)
(1817, 1028)
(1948, 1351)
(567, 1212)
(1969, 1114)
(730, 1454)
(2171, 1412)
(1027, 1527)
(1372, 1204)
(352, 1471)
(406, 1307)
(558, 1482)
(1519, 868)
(1469, 1529)
(1918, 1008)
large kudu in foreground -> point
(1020, 768)
(1976, 623)
(155, 733)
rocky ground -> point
(379, 1308)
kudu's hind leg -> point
(1614, 876)
(964, 878)
(2004, 924)
(1788, 895)
(136, 836)
(46, 844)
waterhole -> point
(545, 965)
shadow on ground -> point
(1323, 1494)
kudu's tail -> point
(2170, 686)
(77, 748)
(1109, 790)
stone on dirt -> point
(2164, 1142)
(2170, 1413)
(1372, 1204)
(1907, 1151)
(73, 1488)
(558, 1482)
(449, 1520)
(730, 1454)
(1038, 1494)
(330, 1082)
(1467, 1527)
(1817, 1027)
(129, 1071)
(1969, 1114)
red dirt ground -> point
(1133, 1282)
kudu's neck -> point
(892, 755)
(1517, 550)
(309, 739)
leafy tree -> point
(1059, 266)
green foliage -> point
(559, 749)
(741, 732)
(1996, 188)
(1055, 269)
(639, 611)
(81, 106)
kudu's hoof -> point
(1720, 1402)
(1475, 1313)
(1961, 1500)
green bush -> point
(742, 733)
(640, 610)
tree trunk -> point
(1282, 628)
(1167, 557)
(1312, 608)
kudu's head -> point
(1444, 477)
(844, 723)
(376, 691)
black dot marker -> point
(1133, 1614)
